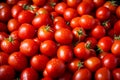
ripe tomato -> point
(103, 74)
(92, 63)
(7, 72)
(45, 32)
(75, 22)
(98, 3)
(82, 74)
(29, 74)
(29, 47)
(3, 58)
(64, 36)
(39, 2)
(87, 22)
(42, 11)
(12, 2)
(65, 76)
(26, 31)
(48, 48)
(60, 24)
(18, 61)
(65, 53)
(116, 74)
(55, 68)
(58, 19)
(38, 62)
(3, 27)
(73, 3)
(118, 11)
(109, 61)
(15, 36)
(117, 28)
(3, 35)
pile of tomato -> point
(59, 40)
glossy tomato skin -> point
(116, 28)
(39, 2)
(82, 74)
(3, 58)
(109, 61)
(104, 73)
(63, 36)
(29, 74)
(98, 3)
(55, 68)
(38, 62)
(87, 22)
(7, 72)
(73, 3)
(74, 22)
(65, 53)
(48, 48)
(3, 35)
(15, 36)
(65, 76)
(26, 31)
(116, 74)
(29, 47)
(93, 63)
(18, 61)
(3, 27)
(118, 11)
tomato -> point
(39, 2)
(13, 25)
(48, 48)
(59, 24)
(15, 36)
(102, 55)
(55, 68)
(92, 63)
(73, 3)
(117, 28)
(118, 11)
(81, 51)
(38, 62)
(69, 13)
(7, 72)
(102, 13)
(105, 43)
(12, 2)
(26, 31)
(98, 3)
(61, 7)
(45, 32)
(74, 22)
(29, 74)
(3, 35)
(63, 36)
(103, 74)
(87, 22)
(115, 49)
(22, 2)
(109, 61)
(58, 19)
(3, 4)
(65, 76)
(10, 45)
(3, 58)
(18, 61)
(42, 11)
(82, 74)
(40, 20)
(65, 53)
(3, 27)
(29, 47)
(116, 74)
(98, 30)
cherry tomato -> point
(117, 28)
(98, 3)
(74, 22)
(3, 27)
(65, 76)
(12, 2)
(3, 58)
(73, 3)
(39, 2)
(116, 74)
(118, 11)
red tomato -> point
(65, 53)
(15, 36)
(48, 48)
(64, 36)
(3, 27)
(98, 3)
(109, 61)
(103, 74)
(82, 74)
(58, 19)
(65, 76)
(7, 72)
(118, 11)
(12, 2)
(18, 61)
(55, 68)
(92, 63)
(87, 22)
(26, 31)
(3, 35)
(73, 3)
(3, 58)
(38, 62)
(39, 2)
(29, 47)
(117, 28)
(116, 74)
(29, 74)
(60, 24)
(42, 11)
(75, 22)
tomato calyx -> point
(26, 7)
(10, 39)
(117, 37)
(80, 65)
(113, 3)
(106, 24)
(99, 50)
(88, 44)
(48, 28)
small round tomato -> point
(48, 48)
(38, 62)
(64, 36)
(73, 3)
(7, 72)
(58, 19)
(13, 25)
(60, 24)
(39, 2)
(118, 11)
(29, 47)
(116, 74)
(105, 43)
(15, 36)
(3, 58)
(3, 35)
(12, 2)
(92, 63)
(98, 3)
(65, 53)
(82, 74)
(102, 13)
(109, 61)
(66, 76)
(26, 31)
(42, 11)
(18, 61)
(117, 28)
(103, 74)
(75, 22)
(45, 32)
(55, 68)
(87, 22)
(29, 74)
(3, 27)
